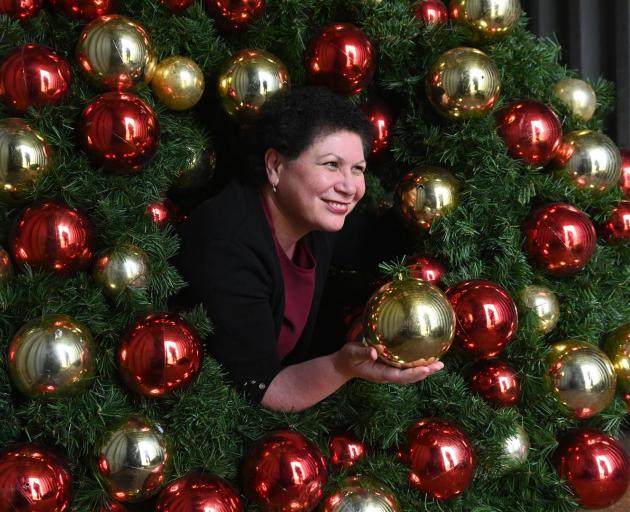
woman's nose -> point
(348, 183)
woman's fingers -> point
(393, 375)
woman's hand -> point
(354, 360)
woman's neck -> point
(286, 233)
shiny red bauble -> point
(284, 471)
(33, 76)
(199, 492)
(162, 213)
(595, 466)
(85, 9)
(487, 317)
(381, 119)
(531, 131)
(52, 236)
(234, 14)
(559, 238)
(496, 382)
(345, 450)
(112, 506)
(33, 479)
(427, 269)
(120, 131)
(431, 11)
(160, 353)
(624, 181)
(617, 227)
(341, 57)
(440, 458)
(177, 6)
(20, 9)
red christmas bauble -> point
(342, 58)
(120, 131)
(33, 479)
(234, 14)
(285, 471)
(381, 119)
(161, 352)
(199, 492)
(431, 11)
(162, 212)
(33, 76)
(440, 458)
(177, 6)
(20, 9)
(85, 9)
(531, 131)
(559, 238)
(112, 506)
(52, 236)
(496, 382)
(426, 269)
(624, 181)
(595, 466)
(617, 227)
(487, 317)
(345, 450)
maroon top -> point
(299, 286)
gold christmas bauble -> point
(24, 157)
(116, 53)
(361, 494)
(589, 160)
(6, 268)
(121, 268)
(247, 80)
(542, 303)
(178, 83)
(425, 193)
(412, 319)
(581, 376)
(133, 460)
(578, 96)
(463, 83)
(197, 170)
(515, 449)
(617, 346)
(486, 19)
(52, 356)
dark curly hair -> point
(291, 122)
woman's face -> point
(321, 186)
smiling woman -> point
(257, 254)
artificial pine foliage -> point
(209, 425)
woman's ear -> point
(274, 164)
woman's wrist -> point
(340, 364)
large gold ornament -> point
(578, 96)
(6, 268)
(133, 460)
(24, 157)
(116, 53)
(581, 376)
(515, 449)
(197, 170)
(425, 193)
(589, 159)
(52, 356)
(121, 268)
(413, 319)
(178, 83)
(247, 80)
(542, 303)
(486, 19)
(361, 494)
(463, 83)
(617, 346)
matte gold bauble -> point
(589, 160)
(178, 83)
(121, 268)
(413, 319)
(617, 346)
(486, 19)
(361, 494)
(197, 170)
(133, 460)
(578, 96)
(247, 80)
(463, 83)
(52, 356)
(116, 53)
(24, 157)
(581, 376)
(543, 304)
(424, 194)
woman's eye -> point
(331, 164)
(359, 170)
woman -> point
(257, 254)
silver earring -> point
(275, 188)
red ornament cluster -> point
(496, 382)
